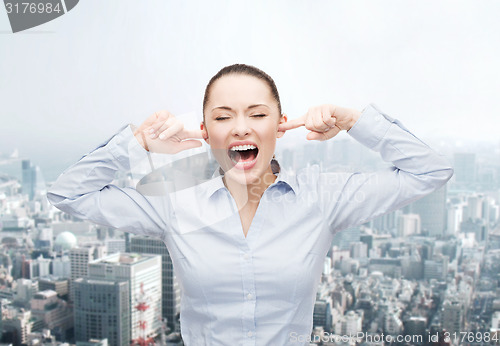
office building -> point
(26, 289)
(102, 310)
(33, 183)
(143, 273)
(59, 285)
(322, 315)
(388, 266)
(349, 324)
(465, 169)
(392, 322)
(495, 323)
(415, 325)
(115, 245)
(53, 311)
(412, 266)
(474, 208)
(80, 258)
(453, 316)
(454, 218)
(408, 224)
(359, 250)
(61, 267)
(432, 212)
(18, 324)
(344, 238)
(478, 227)
(170, 287)
(437, 268)
(387, 222)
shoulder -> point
(314, 178)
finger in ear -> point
(281, 132)
(204, 132)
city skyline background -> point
(71, 83)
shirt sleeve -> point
(416, 170)
(85, 189)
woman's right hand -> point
(163, 133)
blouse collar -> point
(284, 178)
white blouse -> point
(258, 290)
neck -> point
(251, 193)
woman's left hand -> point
(324, 121)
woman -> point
(248, 245)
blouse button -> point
(249, 296)
(249, 334)
(246, 256)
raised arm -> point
(85, 189)
(352, 199)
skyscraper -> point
(33, 181)
(474, 209)
(359, 250)
(409, 224)
(102, 310)
(453, 316)
(465, 169)
(344, 238)
(80, 258)
(170, 287)
(432, 211)
(436, 268)
(454, 218)
(386, 222)
(322, 315)
(143, 273)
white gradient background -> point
(69, 84)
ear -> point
(283, 120)
(204, 132)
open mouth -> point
(245, 154)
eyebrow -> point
(249, 107)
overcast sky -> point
(69, 84)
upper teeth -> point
(243, 147)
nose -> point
(241, 128)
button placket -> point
(248, 272)
(248, 281)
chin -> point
(242, 177)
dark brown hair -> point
(243, 70)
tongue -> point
(243, 156)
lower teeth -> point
(243, 162)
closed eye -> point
(259, 115)
(221, 118)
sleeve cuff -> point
(371, 126)
(126, 149)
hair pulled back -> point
(242, 69)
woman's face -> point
(241, 123)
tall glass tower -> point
(170, 288)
